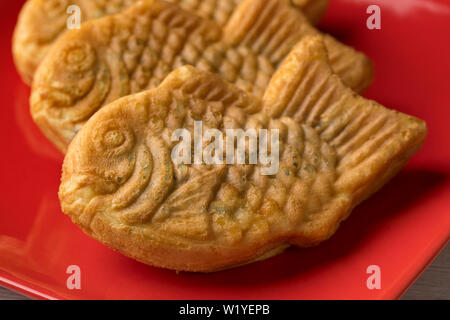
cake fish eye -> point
(78, 56)
(114, 138)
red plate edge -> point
(25, 288)
(332, 20)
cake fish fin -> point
(372, 143)
(185, 212)
(201, 87)
(272, 28)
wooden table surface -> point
(433, 284)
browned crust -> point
(379, 142)
(37, 30)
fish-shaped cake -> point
(122, 185)
(135, 50)
(42, 22)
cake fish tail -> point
(372, 143)
(273, 28)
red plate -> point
(401, 229)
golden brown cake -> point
(122, 187)
(41, 22)
(135, 50)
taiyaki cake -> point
(135, 50)
(123, 186)
(41, 22)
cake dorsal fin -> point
(303, 68)
(367, 137)
(205, 87)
